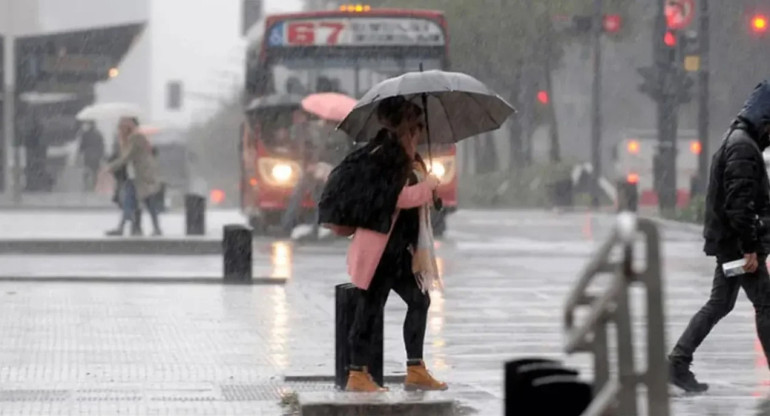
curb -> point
(679, 225)
(381, 404)
(94, 246)
(256, 281)
(321, 378)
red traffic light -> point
(543, 98)
(612, 23)
(669, 39)
(759, 23)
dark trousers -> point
(130, 206)
(371, 304)
(724, 292)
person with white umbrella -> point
(142, 184)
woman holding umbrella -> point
(381, 195)
(396, 250)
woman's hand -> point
(432, 181)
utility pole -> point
(9, 107)
(596, 116)
(668, 74)
(703, 96)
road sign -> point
(679, 13)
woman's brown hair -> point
(400, 116)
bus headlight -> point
(443, 167)
(278, 172)
(281, 172)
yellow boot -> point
(362, 382)
(418, 378)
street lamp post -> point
(596, 105)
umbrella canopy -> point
(329, 105)
(109, 111)
(274, 101)
(458, 106)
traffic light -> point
(612, 23)
(650, 82)
(669, 39)
(759, 24)
(543, 97)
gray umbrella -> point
(458, 106)
(274, 101)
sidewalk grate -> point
(34, 395)
(250, 392)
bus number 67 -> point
(304, 33)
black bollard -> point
(560, 395)
(517, 385)
(236, 249)
(628, 196)
(532, 387)
(195, 214)
(346, 298)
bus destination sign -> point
(361, 31)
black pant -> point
(724, 292)
(371, 304)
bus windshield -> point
(352, 76)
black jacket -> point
(738, 199)
(363, 190)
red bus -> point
(348, 51)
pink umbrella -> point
(329, 105)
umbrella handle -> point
(438, 203)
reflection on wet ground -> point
(281, 259)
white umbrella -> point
(109, 111)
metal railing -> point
(615, 393)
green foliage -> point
(491, 39)
(214, 146)
(527, 188)
(694, 212)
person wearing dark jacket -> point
(737, 204)
(91, 150)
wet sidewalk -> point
(92, 224)
(218, 350)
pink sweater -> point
(367, 247)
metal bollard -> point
(346, 299)
(195, 214)
(531, 387)
(560, 395)
(628, 196)
(236, 249)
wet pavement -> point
(79, 348)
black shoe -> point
(681, 376)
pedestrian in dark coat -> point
(92, 151)
(737, 206)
